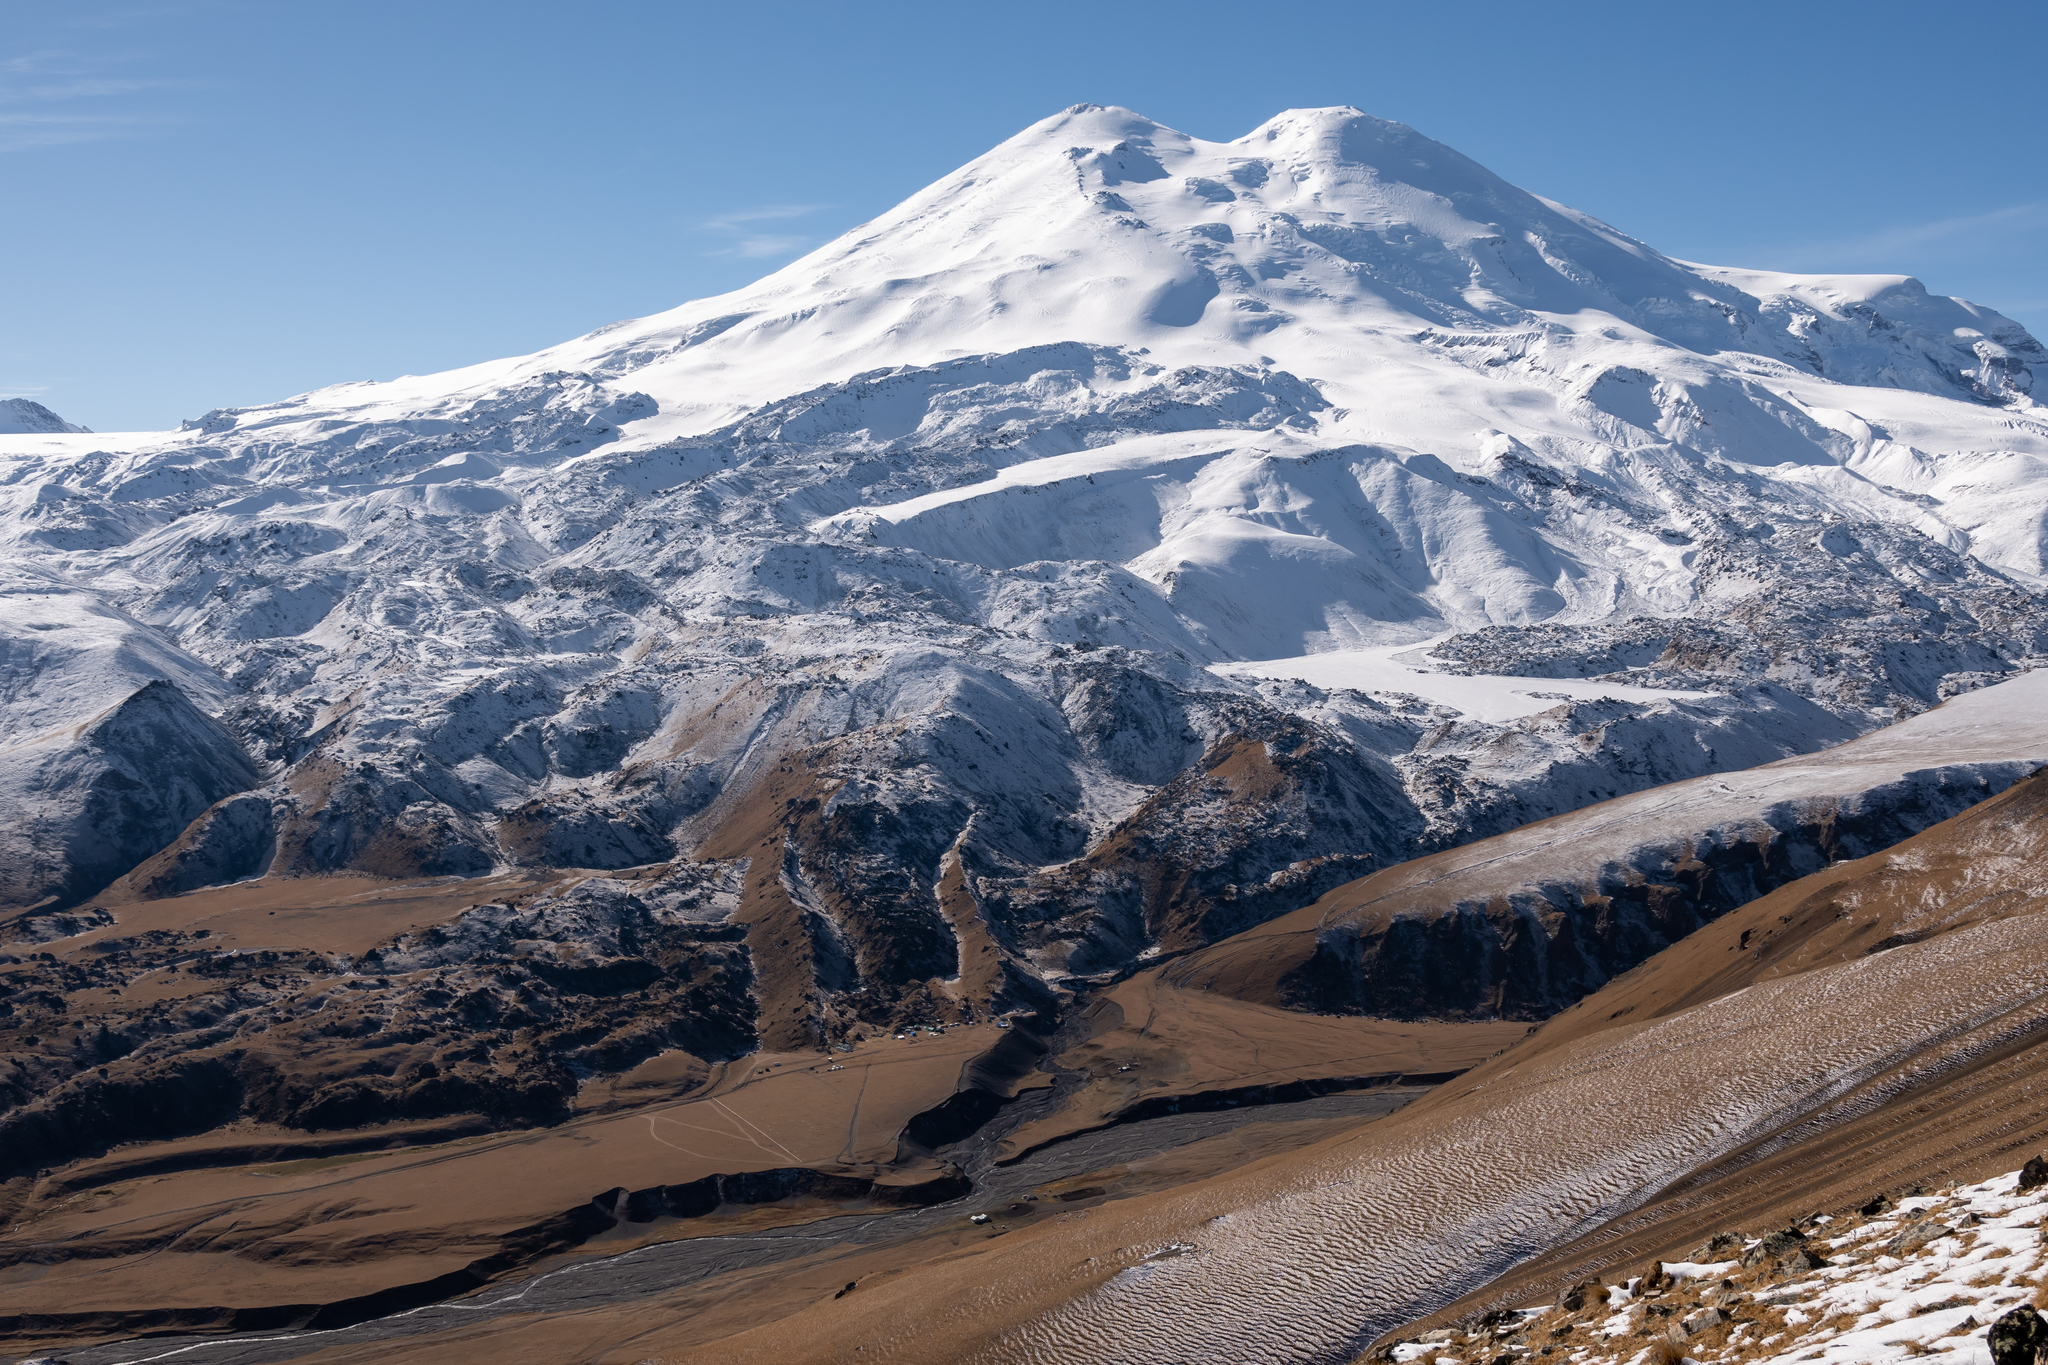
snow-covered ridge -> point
(23, 415)
(961, 506)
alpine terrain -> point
(19, 415)
(1176, 628)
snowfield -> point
(1406, 668)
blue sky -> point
(220, 202)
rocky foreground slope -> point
(1929, 1273)
(891, 584)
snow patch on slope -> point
(1484, 697)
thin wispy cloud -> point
(742, 229)
(1889, 246)
(767, 213)
(1911, 236)
(24, 132)
(86, 88)
(54, 99)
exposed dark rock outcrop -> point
(232, 840)
(498, 1014)
(78, 810)
(2018, 1338)
(1533, 947)
(1269, 818)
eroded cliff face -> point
(1530, 950)
(1526, 923)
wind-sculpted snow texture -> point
(898, 574)
(1311, 1259)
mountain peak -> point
(882, 593)
(1093, 122)
(1312, 122)
(22, 416)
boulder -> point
(1774, 1247)
(1917, 1235)
(1721, 1246)
(1702, 1320)
(2018, 1338)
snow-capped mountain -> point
(20, 416)
(927, 581)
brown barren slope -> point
(1960, 1113)
(101, 1245)
(1719, 1083)
(259, 1223)
(1150, 1041)
(1817, 1070)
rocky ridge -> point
(23, 415)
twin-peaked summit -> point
(1033, 583)
(1326, 242)
(1318, 232)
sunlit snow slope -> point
(898, 573)
(20, 415)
